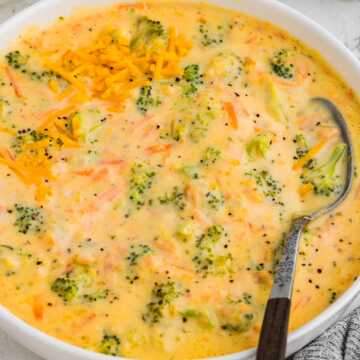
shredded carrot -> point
(251, 40)
(79, 324)
(311, 154)
(200, 217)
(187, 270)
(328, 132)
(85, 172)
(192, 195)
(306, 121)
(84, 259)
(12, 80)
(105, 197)
(254, 196)
(301, 302)
(166, 246)
(229, 108)
(159, 148)
(194, 198)
(38, 307)
(305, 189)
(102, 173)
(112, 162)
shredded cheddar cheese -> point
(107, 69)
(33, 165)
(110, 69)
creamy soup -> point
(152, 157)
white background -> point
(340, 17)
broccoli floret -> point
(274, 104)
(190, 171)
(193, 119)
(26, 136)
(246, 298)
(199, 127)
(225, 66)
(141, 179)
(96, 296)
(147, 30)
(80, 124)
(208, 109)
(281, 66)
(162, 295)
(210, 238)
(75, 126)
(66, 288)
(193, 79)
(28, 219)
(212, 264)
(268, 185)
(215, 199)
(190, 89)
(178, 129)
(17, 60)
(192, 73)
(311, 164)
(190, 313)
(176, 198)
(25, 144)
(83, 275)
(77, 284)
(207, 261)
(203, 318)
(259, 266)
(186, 231)
(145, 100)
(110, 345)
(210, 156)
(323, 177)
(302, 146)
(239, 327)
(136, 252)
(209, 37)
(259, 145)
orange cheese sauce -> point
(152, 157)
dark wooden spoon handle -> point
(272, 344)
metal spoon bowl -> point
(273, 336)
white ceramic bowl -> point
(306, 30)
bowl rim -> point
(31, 334)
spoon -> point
(273, 336)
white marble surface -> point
(340, 17)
